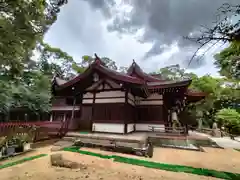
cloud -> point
(81, 31)
(133, 29)
(164, 21)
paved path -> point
(226, 142)
(194, 133)
(237, 138)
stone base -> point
(58, 146)
(58, 161)
(27, 146)
(216, 133)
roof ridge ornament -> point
(134, 63)
(97, 59)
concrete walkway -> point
(225, 142)
(237, 138)
(194, 133)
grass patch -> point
(83, 132)
(155, 165)
(21, 161)
(76, 149)
(237, 150)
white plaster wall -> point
(153, 102)
(108, 127)
(153, 99)
(65, 108)
(155, 96)
(88, 95)
(131, 99)
(112, 100)
(111, 94)
(130, 128)
(145, 127)
(104, 97)
(130, 96)
(87, 101)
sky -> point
(149, 31)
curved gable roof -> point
(99, 66)
(135, 71)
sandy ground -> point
(102, 169)
(212, 158)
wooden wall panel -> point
(150, 114)
(109, 113)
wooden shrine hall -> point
(103, 100)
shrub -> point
(229, 118)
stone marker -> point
(59, 161)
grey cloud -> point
(157, 48)
(184, 56)
(104, 5)
(77, 29)
(165, 21)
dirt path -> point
(97, 169)
(102, 169)
(212, 158)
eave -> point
(168, 84)
(195, 96)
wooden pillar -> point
(66, 124)
(126, 115)
(64, 117)
(167, 109)
(51, 117)
(93, 108)
(80, 106)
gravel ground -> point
(102, 169)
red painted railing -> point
(45, 129)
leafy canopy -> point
(230, 118)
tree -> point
(24, 82)
(229, 118)
(34, 95)
(61, 62)
(228, 61)
(226, 29)
(222, 93)
(87, 60)
(173, 72)
(22, 26)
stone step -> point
(69, 138)
(58, 146)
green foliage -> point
(35, 96)
(22, 25)
(222, 93)
(88, 60)
(229, 118)
(54, 61)
(228, 61)
(23, 82)
(173, 72)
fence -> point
(44, 129)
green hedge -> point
(21, 161)
(167, 167)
